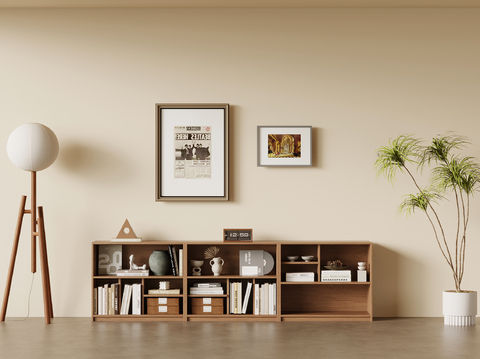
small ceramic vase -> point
(159, 262)
(217, 265)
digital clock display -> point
(244, 235)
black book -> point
(172, 261)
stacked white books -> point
(300, 277)
(206, 289)
(131, 299)
(336, 276)
(265, 299)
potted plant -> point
(450, 173)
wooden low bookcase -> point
(295, 301)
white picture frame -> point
(284, 146)
(204, 178)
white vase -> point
(216, 265)
(459, 309)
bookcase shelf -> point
(295, 301)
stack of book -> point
(238, 305)
(206, 289)
(300, 277)
(265, 299)
(336, 276)
(106, 299)
(132, 294)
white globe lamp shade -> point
(32, 147)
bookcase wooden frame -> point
(296, 301)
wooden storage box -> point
(163, 306)
(199, 302)
(207, 306)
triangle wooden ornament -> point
(126, 231)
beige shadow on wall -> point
(386, 285)
(94, 163)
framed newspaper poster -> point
(284, 146)
(192, 152)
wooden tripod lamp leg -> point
(47, 294)
(13, 257)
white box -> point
(361, 275)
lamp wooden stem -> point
(34, 221)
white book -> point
(239, 298)
(336, 280)
(300, 279)
(247, 297)
(257, 300)
(105, 299)
(336, 273)
(124, 300)
(270, 299)
(231, 297)
(100, 300)
(265, 299)
(129, 299)
(206, 291)
(126, 240)
(274, 298)
(136, 299)
(180, 262)
(300, 274)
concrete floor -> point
(73, 338)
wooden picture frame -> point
(191, 152)
(238, 235)
(284, 146)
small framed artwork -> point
(238, 235)
(191, 152)
(284, 146)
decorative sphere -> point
(32, 147)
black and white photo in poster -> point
(193, 151)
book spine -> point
(180, 262)
(247, 297)
(175, 260)
(117, 286)
(105, 299)
(235, 298)
(239, 298)
(171, 259)
(274, 285)
(307, 274)
(206, 292)
(257, 300)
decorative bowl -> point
(292, 258)
(196, 263)
(307, 258)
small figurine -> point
(133, 266)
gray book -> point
(251, 263)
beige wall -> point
(359, 77)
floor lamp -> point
(32, 147)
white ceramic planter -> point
(459, 309)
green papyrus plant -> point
(450, 173)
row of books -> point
(176, 261)
(107, 299)
(265, 299)
(238, 305)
